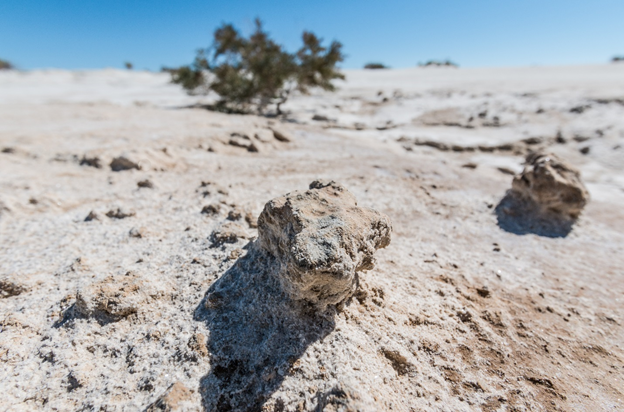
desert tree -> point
(6, 65)
(255, 72)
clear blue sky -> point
(151, 33)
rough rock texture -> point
(121, 163)
(310, 248)
(112, 299)
(321, 239)
(177, 398)
(552, 184)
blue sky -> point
(77, 34)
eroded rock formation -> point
(321, 238)
(552, 184)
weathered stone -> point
(229, 232)
(9, 287)
(146, 184)
(122, 163)
(177, 398)
(113, 299)
(552, 184)
(321, 239)
(118, 213)
(281, 135)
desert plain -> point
(126, 208)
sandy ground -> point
(464, 310)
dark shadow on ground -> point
(256, 334)
(523, 216)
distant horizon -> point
(91, 35)
(137, 70)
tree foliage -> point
(255, 72)
(6, 65)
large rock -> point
(321, 240)
(553, 184)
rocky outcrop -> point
(554, 185)
(277, 300)
(321, 239)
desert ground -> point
(128, 219)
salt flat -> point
(460, 313)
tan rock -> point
(229, 232)
(122, 163)
(176, 398)
(552, 184)
(281, 134)
(321, 239)
(114, 298)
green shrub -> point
(255, 72)
(128, 65)
(616, 59)
(5, 65)
(375, 66)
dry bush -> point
(255, 72)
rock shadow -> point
(522, 216)
(256, 334)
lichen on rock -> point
(321, 239)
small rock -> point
(533, 140)
(235, 254)
(506, 170)
(91, 216)
(91, 162)
(229, 232)
(122, 163)
(112, 299)
(320, 118)
(251, 219)
(552, 184)
(211, 209)
(484, 292)
(119, 214)
(199, 344)
(321, 239)
(213, 188)
(242, 140)
(235, 214)
(281, 135)
(177, 398)
(10, 288)
(470, 165)
(145, 184)
(584, 150)
(136, 233)
(8, 150)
